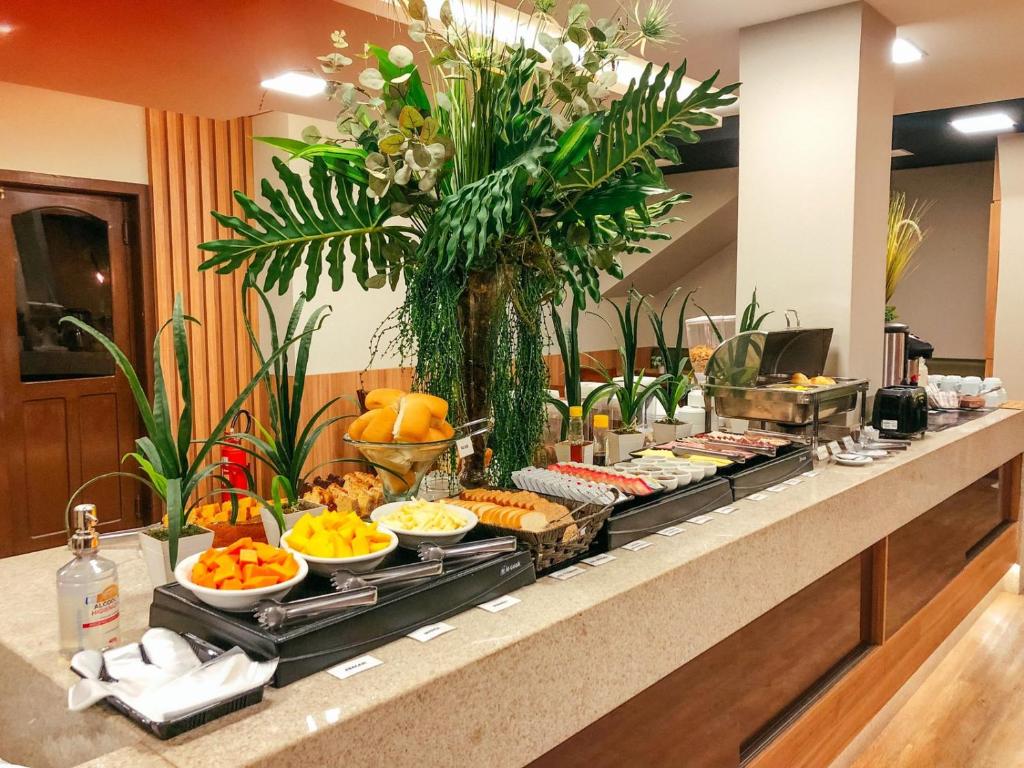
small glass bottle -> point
(88, 603)
(600, 438)
(575, 437)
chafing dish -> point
(749, 378)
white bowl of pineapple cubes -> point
(417, 522)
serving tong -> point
(346, 581)
(483, 548)
(273, 614)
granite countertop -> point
(482, 694)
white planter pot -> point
(664, 433)
(157, 555)
(290, 519)
(620, 446)
(562, 452)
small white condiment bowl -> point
(410, 539)
(237, 600)
(685, 476)
(671, 482)
(325, 566)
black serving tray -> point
(760, 473)
(168, 729)
(644, 517)
(304, 649)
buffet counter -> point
(505, 688)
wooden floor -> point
(969, 712)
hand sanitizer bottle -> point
(88, 604)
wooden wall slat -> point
(194, 165)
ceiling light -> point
(5, 28)
(296, 83)
(905, 52)
(988, 123)
(901, 153)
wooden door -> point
(68, 415)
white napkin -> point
(176, 684)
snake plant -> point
(168, 462)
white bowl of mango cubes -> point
(325, 566)
(418, 522)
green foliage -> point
(569, 350)
(339, 216)
(677, 364)
(632, 394)
(750, 320)
(169, 465)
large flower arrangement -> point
(510, 172)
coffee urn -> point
(894, 364)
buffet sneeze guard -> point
(749, 378)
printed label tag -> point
(464, 445)
(849, 444)
(636, 546)
(821, 453)
(566, 573)
(776, 488)
(757, 496)
(793, 481)
(354, 666)
(429, 632)
(890, 424)
(811, 473)
(597, 560)
(725, 510)
(499, 604)
(834, 448)
(670, 531)
(701, 520)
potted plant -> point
(904, 237)
(166, 459)
(677, 367)
(285, 446)
(569, 350)
(516, 174)
(632, 393)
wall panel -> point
(194, 165)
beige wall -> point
(943, 299)
(67, 135)
(1008, 361)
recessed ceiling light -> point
(296, 83)
(987, 123)
(901, 153)
(905, 52)
(5, 28)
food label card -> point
(793, 481)
(670, 531)
(821, 453)
(597, 560)
(812, 473)
(354, 666)
(636, 546)
(566, 573)
(725, 510)
(776, 488)
(834, 448)
(848, 443)
(429, 632)
(499, 604)
(701, 520)
(757, 496)
(464, 445)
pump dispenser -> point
(88, 602)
